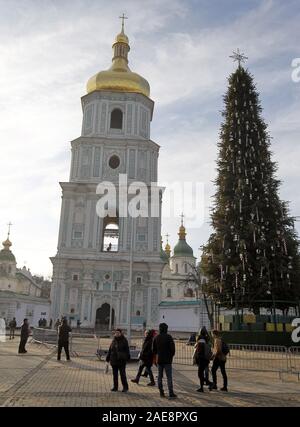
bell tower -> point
(113, 260)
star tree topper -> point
(238, 56)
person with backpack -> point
(202, 357)
(164, 350)
(146, 358)
(118, 355)
(220, 351)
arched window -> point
(110, 240)
(176, 268)
(189, 293)
(169, 293)
(185, 268)
(116, 119)
(138, 313)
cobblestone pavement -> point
(37, 379)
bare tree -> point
(203, 289)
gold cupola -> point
(119, 77)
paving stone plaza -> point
(36, 379)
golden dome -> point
(7, 244)
(168, 248)
(122, 38)
(119, 77)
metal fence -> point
(267, 358)
(44, 336)
(295, 360)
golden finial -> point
(168, 247)
(182, 216)
(7, 243)
(182, 232)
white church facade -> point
(20, 295)
(182, 305)
(107, 271)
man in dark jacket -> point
(146, 358)
(164, 349)
(25, 331)
(63, 339)
(12, 326)
(118, 355)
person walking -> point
(63, 339)
(118, 355)
(146, 358)
(164, 350)
(25, 332)
(220, 350)
(12, 326)
(202, 357)
(204, 333)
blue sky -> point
(48, 51)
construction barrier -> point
(267, 358)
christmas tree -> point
(251, 259)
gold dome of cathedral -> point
(119, 77)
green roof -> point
(183, 249)
(163, 256)
(7, 255)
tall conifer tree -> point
(251, 258)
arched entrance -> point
(102, 317)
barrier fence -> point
(267, 358)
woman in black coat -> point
(25, 332)
(146, 358)
(118, 355)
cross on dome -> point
(9, 226)
(123, 17)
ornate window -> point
(169, 293)
(116, 119)
(114, 162)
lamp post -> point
(111, 296)
(130, 279)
